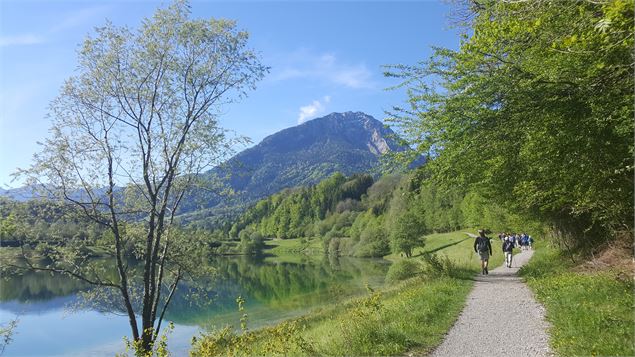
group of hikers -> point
(483, 247)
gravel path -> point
(501, 318)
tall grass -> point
(415, 316)
(591, 313)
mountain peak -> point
(348, 130)
(346, 116)
(357, 127)
(349, 143)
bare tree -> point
(131, 132)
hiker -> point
(508, 248)
(521, 238)
(483, 247)
(530, 241)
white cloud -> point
(20, 40)
(71, 20)
(355, 77)
(312, 110)
(325, 67)
(80, 17)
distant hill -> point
(21, 194)
(302, 155)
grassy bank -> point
(590, 313)
(412, 315)
(409, 315)
(295, 246)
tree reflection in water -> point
(273, 289)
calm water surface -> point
(52, 324)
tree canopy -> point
(535, 110)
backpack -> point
(481, 245)
(507, 246)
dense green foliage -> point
(291, 213)
(353, 216)
(44, 221)
(534, 111)
(47, 228)
(356, 216)
(590, 313)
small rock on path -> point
(501, 318)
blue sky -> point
(324, 57)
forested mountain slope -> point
(302, 155)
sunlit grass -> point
(413, 315)
(458, 247)
(590, 313)
(416, 316)
(295, 245)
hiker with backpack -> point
(523, 242)
(483, 247)
(530, 242)
(508, 247)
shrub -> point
(251, 243)
(373, 241)
(436, 267)
(280, 340)
(403, 269)
(334, 247)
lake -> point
(54, 319)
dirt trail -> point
(501, 318)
